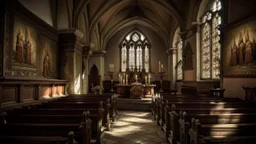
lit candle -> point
(159, 66)
(126, 79)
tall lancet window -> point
(123, 57)
(135, 53)
(146, 58)
(210, 46)
(179, 60)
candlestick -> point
(126, 80)
(123, 81)
(159, 66)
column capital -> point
(99, 53)
(77, 32)
(70, 40)
(171, 51)
(183, 35)
(90, 45)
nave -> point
(134, 127)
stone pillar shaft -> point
(71, 58)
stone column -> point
(172, 61)
(87, 51)
(70, 43)
(183, 36)
(198, 45)
(99, 60)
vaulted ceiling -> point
(107, 17)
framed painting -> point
(48, 57)
(24, 47)
(239, 50)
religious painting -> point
(239, 53)
(48, 58)
(24, 46)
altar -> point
(135, 90)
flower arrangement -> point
(97, 89)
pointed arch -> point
(94, 70)
(188, 57)
(135, 52)
(210, 48)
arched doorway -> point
(94, 77)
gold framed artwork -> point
(239, 50)
(24, 52)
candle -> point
(162, 68)
(123, 81)
(149, 78)
(146, 78)
(111, 67)
(136, 78)
(159, 66)
(126, 79)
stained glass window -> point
(139, 58)
(131, 57)
(179, 60)
(136, 54)
(216, 46)
(146, 61)
(205, 52)
(124, 58)
(210, 46)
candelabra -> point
(161, 80)
(111, 79)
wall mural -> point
(240, 50)
(24, 46)
(48, 59)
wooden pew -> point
(157, 101)
(206, 115)
(81, 105)
(94, 98)
(110, 113)
(51, 133)
(164, 108)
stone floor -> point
(133, 127)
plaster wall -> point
(40, 8)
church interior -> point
(127, 71)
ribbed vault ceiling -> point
(110, 16)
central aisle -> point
(133, 127)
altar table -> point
(124, 90)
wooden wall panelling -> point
(27, 93)
(9, 94)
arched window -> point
(179, 60)
(135, 53)
(210, 46)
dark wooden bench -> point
(33, 140)
(56, 132)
